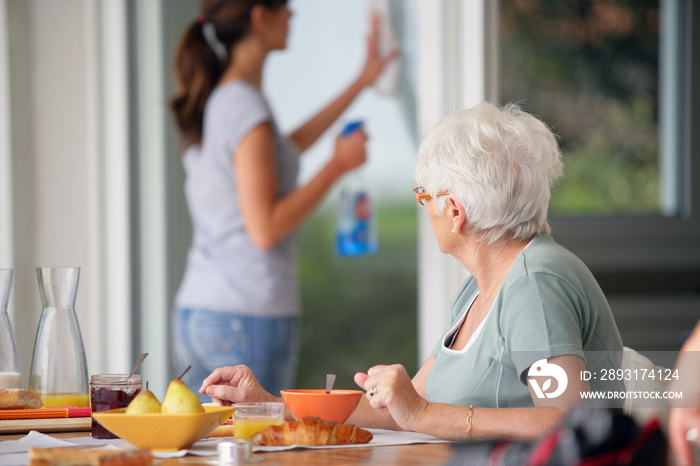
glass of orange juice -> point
(251, 418)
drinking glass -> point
(59, 369)
(251, 418)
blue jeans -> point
(207, 340)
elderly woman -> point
(529, 305)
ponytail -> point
(197, 71)
(202, 56)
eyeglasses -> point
(422, 197)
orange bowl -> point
(337, 405)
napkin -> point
(381, 438)
(207, 447)
(15, 452)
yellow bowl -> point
(163, 432)
(337, 405)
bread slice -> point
(17, 398)
(224, 430)
(70, 456)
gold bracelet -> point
(469, 422)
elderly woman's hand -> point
(389, 388)
(235, 384)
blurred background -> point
(90, 170)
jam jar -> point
(111, 391)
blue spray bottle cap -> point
(352, 127)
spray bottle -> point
(355, 228)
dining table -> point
(408, 454)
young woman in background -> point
(239, 297)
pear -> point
(144, 402)
(179, 399)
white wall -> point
(62, 181)
(6, 237)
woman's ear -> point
(258, 17)
(456, 214)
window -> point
(612, 78)
(591, 69)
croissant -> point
(311, 431)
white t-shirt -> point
(225, 271)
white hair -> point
(500, 164)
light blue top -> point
(225, 271)
(549, 305)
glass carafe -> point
(9, 364)
(59, 370)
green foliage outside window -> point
(358, 311)
(590, 69)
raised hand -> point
(375, 64)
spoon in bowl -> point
(330, 380)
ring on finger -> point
(691, 435)
(373, 391)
